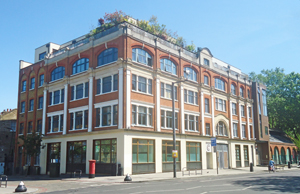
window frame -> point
(191, 125)
(59, 123)
(137, 53)
(24, 84)
(219, 84)
(81, 65)
(171, 65)
(114, 118)
(224, 128)
(59, 72)
(31, 105)
(41, 79)
(233, 89)
(164, 124)
(190, 97)
(218, 102)
(192, 76)
(32, 83)
(76, 88)
(135, 82)
(113, 51)
(135, 115)
(52, 97)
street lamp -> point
(173, 120)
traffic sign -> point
(213, 141)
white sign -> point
(208, 147)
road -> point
(279, 182)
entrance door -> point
(223, 159)
(53, 154)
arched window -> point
(107, 56)
(141, 56)
(206, 82)
(80, 65)
(221, 129)
(233, 89)
(57, 73)
(283, 157)
(288, 155)
(276, 155)
(168, 66)
(190, 74)
(219, 84)
(242, 92)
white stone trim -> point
(121, 99)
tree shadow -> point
(288, 184)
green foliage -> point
(283, 99)
(191, 48)
(295, 138)
(32, 143)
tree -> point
(32, 143)
(283, 99)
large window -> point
(142, 151)
(235, 130)
(242, 110)
(207, 129)
(80, 91)
(24, 86)
(193, 155)
(57, 73)
(233, 91)
(107, 84)
(166, 91)
(55, 123)
(221, 129)
(142, 116)
(266, 130)
(41, 80)
(206, 82)
(246, 156)
(190, 74)
(206, 100)
(234, 108)
(242, 92)
(264, 98)
(168, 66)
(238, 156)
(191, 122)
(79, 120)
(107, 116)
(76, 155)
(32, 83)
(141, 56)
(80, 65)
(141, 84)
(31, 104)
(190, 97)
(243, 131)
(249, 112)
(39, 126)
(108, 56)
(167, 147)
(21, 130)
(220, 104)
(22, 107)
(56, 97)
(29, 127)
(105, 151)
(219, 84)
(40, 103)
(42, 55)
(167, 119)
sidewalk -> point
(30, 181)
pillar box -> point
(92, 168)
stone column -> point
(202, 114)
(182, 109)
(213, 115)
(231, 123)
(158, 104)
(91, 96)
(121, 99)
(128, 98)
(65, 109)
(44, 112)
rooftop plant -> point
(152, 26)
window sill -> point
(77, 99)
(169, 73)
(144, 126)
(78, 73)
(54, 104)
(221, 111)
(20, 134)
(40, 109)
(105, 93)
(31, 89)
(99, 127)
(139, 63)
(168, 98)
(78, 129)
(106, 64)
(41, 86)
(23, 92)
(142, 93)
(206, 85)
(56, 80)
(192, 131)
(191, 104)
(220, 90)
(30, 111)
(168, 128)
(54, 132)
(22, 113)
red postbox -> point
(92, 168)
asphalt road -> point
(279, 182)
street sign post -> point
(213, 142)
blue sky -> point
(250, 35)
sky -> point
(250, 35)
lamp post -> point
(173, 121)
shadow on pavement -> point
(287, 184)
(46, 177)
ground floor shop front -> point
(129, 151)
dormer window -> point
(168, 66)
(141, 56)
(206, 62)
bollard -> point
(21, 187)
(128, 178)
(251, 167)
(289, 164)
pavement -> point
(43, 183)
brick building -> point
(8, 121)
(108, 98)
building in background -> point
(8, 121)
(108, 98)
